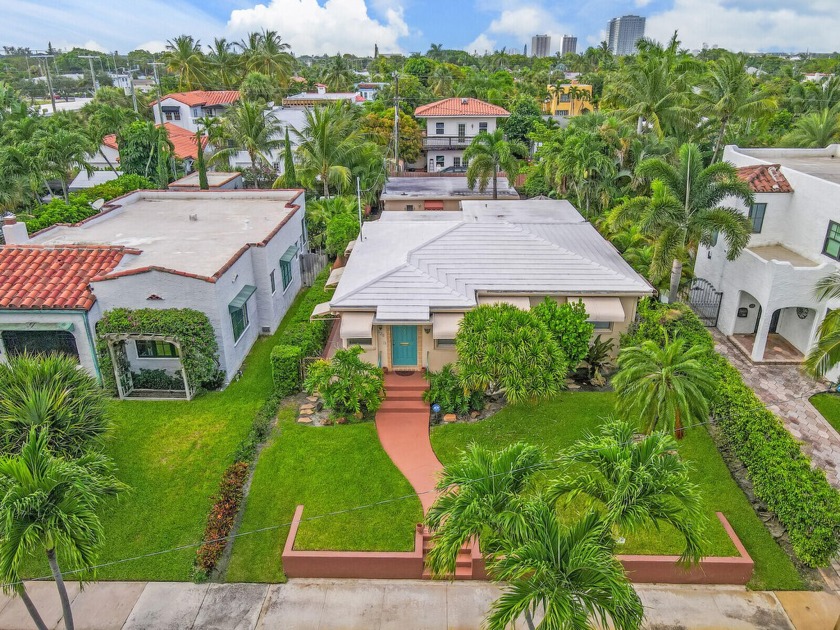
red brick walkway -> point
(402, 423)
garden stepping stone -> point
(573, 386)
(305, 419)
(307, 412)
(450, 417)
(312, 399)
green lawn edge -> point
(828, 404)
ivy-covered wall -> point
(191, 328)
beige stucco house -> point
(412, 276)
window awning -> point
(242, 297)
(335, 277)
(289, 254)
(349, 249)
(433, 205)
(356, 325)
(445, 325)
(602, 309)
(320, 310)
(523, 303)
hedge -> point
(285, 369)
(782, 477)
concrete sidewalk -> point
(385, 604)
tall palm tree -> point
(636, 482)
(825, 353)
(183, 56)
(208, 127)
(727, 92)
(477, 491)
(328, 145)
(667, 387)
(289, 177)
(337, 74)
(440, 80)
(568, 574)
(435, 51)
(63, 153)
(488, 154)
(266, 52)
(223, 63)
(48, 504)
(108, 119)
(251, 129)
(50, 392)
(815, 130)
(684, 210)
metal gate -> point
(704, 300)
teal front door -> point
(403, 346)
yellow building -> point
(568, 99)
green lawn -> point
(829, 406)
(556, 424)
(325, 469)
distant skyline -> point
(354, 26)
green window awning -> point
(289, 254)
(241, 297)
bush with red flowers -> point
(222, 515)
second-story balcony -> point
(447, 142)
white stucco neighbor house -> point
(441, 191)
(183, 109)
(233, 255)
(451, 125)
(768, 306)
(412, 276)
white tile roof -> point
(417, 266)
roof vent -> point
(193, 217)
(464, 101)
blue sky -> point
(330, 26)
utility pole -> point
(359, 199)
(129, 72)
(154, 65)
(396, 122)
(46, 59)
(90, 59)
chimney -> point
(322, 89)
(14, 233)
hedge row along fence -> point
(782, 477)
(192, 329)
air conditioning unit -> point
(266, 330)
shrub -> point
(502, 347)
(156, 379)
(222, 516)
(309, 336)
(446, 390)
(347, 384)
(782, 477)
(568, 324)
(59, 211)
(285, 369)
(341, 229)
(260, 428)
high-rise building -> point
(540, 46)
(568, 44)
(623, 33)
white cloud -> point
(642, 3)
(153, 46)
(752, 26)
(344, 26)
(515, 25)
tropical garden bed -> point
(557, 423)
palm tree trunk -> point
(30, 608)
(495, 182)
(62, 590)
(679, 431)
(639, 127)
(676, 274)
(326, 185)
(529, 620)
(64, 191)
(111, 166)
(719, 140)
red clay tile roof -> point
(182, 139)
(54, 277)
(460, 107)
(203, 97)
(765, 178)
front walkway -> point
(402, 424)
(399, 604)
(785, 389)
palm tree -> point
(337, 74)
(63, 152)
(183, 56)
(222, 62)
(815, 130)
(251, 129)
(825, 353)
(488, 154)
(50, 392)
(108, 119)
(435, 51)
(208, 127)
(728, 92)
(569, 574)
(48, 503)
(684, 210)
(289, 177)
(477, 491)
(265, 52)
(667, 387)
(440, 80)
(636, 481)
(328, 145)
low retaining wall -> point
(409, 564)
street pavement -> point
(388, 604)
